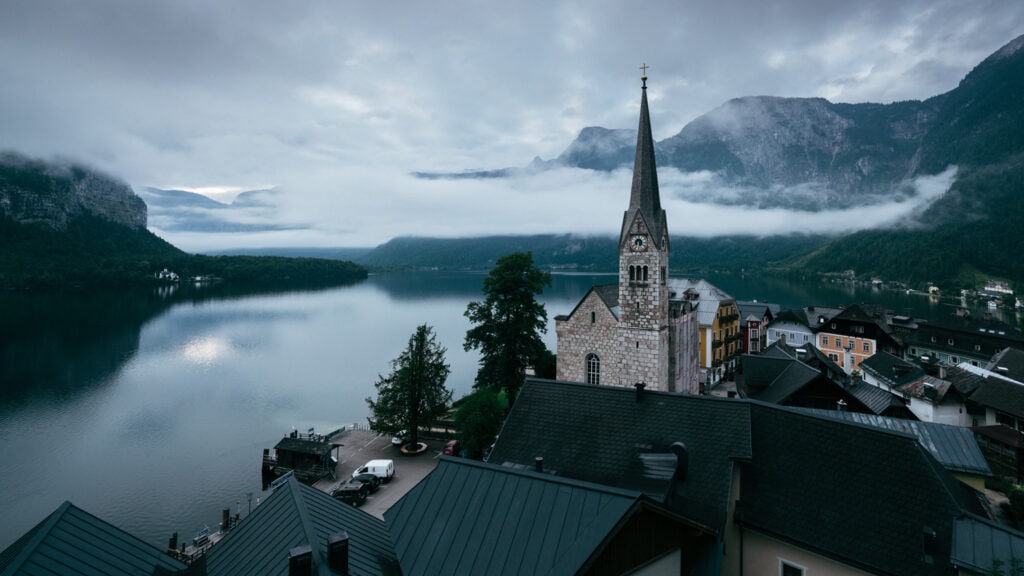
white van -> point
(383, 469)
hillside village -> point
(686, 433)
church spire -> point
(644, 197)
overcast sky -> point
(333, 102)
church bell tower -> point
(643, 269)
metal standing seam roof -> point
(1001, 395)
(953, 446)
(70, 541)
(468, 518)
(294, 515)
(978, 544)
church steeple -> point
(644, 197)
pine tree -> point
(508, 323)
(413, 394)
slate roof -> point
(468, 518)
(295, 515)
(757, 309)
(953, 446)
(1001, 395)
(857, 494)
(602, 434)
(70, 541)
(807, 316)
(978, 544)
(874, 398)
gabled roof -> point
(891, 370)
(757, 309)
(1009, 363)
(71, 541)
(644, 197)
(296, 515)
(468, 518)
(710, 297)
(874, 398)
(1001, 395)
(605, 435)
(607, 293)
(953, 446)
(781, 378)
(978, 544)
(808, 316)
(857, 494)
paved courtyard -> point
(358, 447)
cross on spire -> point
(644, 72)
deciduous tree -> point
(414, 393)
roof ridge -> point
(543, 476)
(37, 538)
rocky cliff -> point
(51, 194)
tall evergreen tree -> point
(413, 393)
(508, 323)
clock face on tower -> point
(638, 243)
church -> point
(644, 329)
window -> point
(954, 359)
(662, 274)
(787, 568)
(949, 341)
(833, 357)
(805, 337)
(867, 347)
(645, 273)
(824, 340)
(632, 273)
(593, 317)
(977, 347)
(833, 325)
(593, 369)
(753, 333)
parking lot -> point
(358, 447)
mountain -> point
(809, 154)
(54, 194)
(63, 224)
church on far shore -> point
(641, 330)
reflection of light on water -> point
(205, 350)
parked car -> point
(452, 448)
(353, 493)
(372, 481)
(383, 469)
(400, 439)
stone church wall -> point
(578, 336)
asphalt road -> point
(358, 447)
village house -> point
(963, 338)
(797, 326)
(855, 334)
(783, 490)
(755, 319)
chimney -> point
(639, 390)
(337, 553)
(172, 544)
(682, 461)
(300, 561)
(538, 463)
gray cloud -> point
(334, 103)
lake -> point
(151, 411)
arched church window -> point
(662, 274)
(645, 273)
(632, 274)
(593, 369)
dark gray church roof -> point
(468, 518)
(644, 197)
(296, 515)
(70, 541)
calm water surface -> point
(152, 412)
